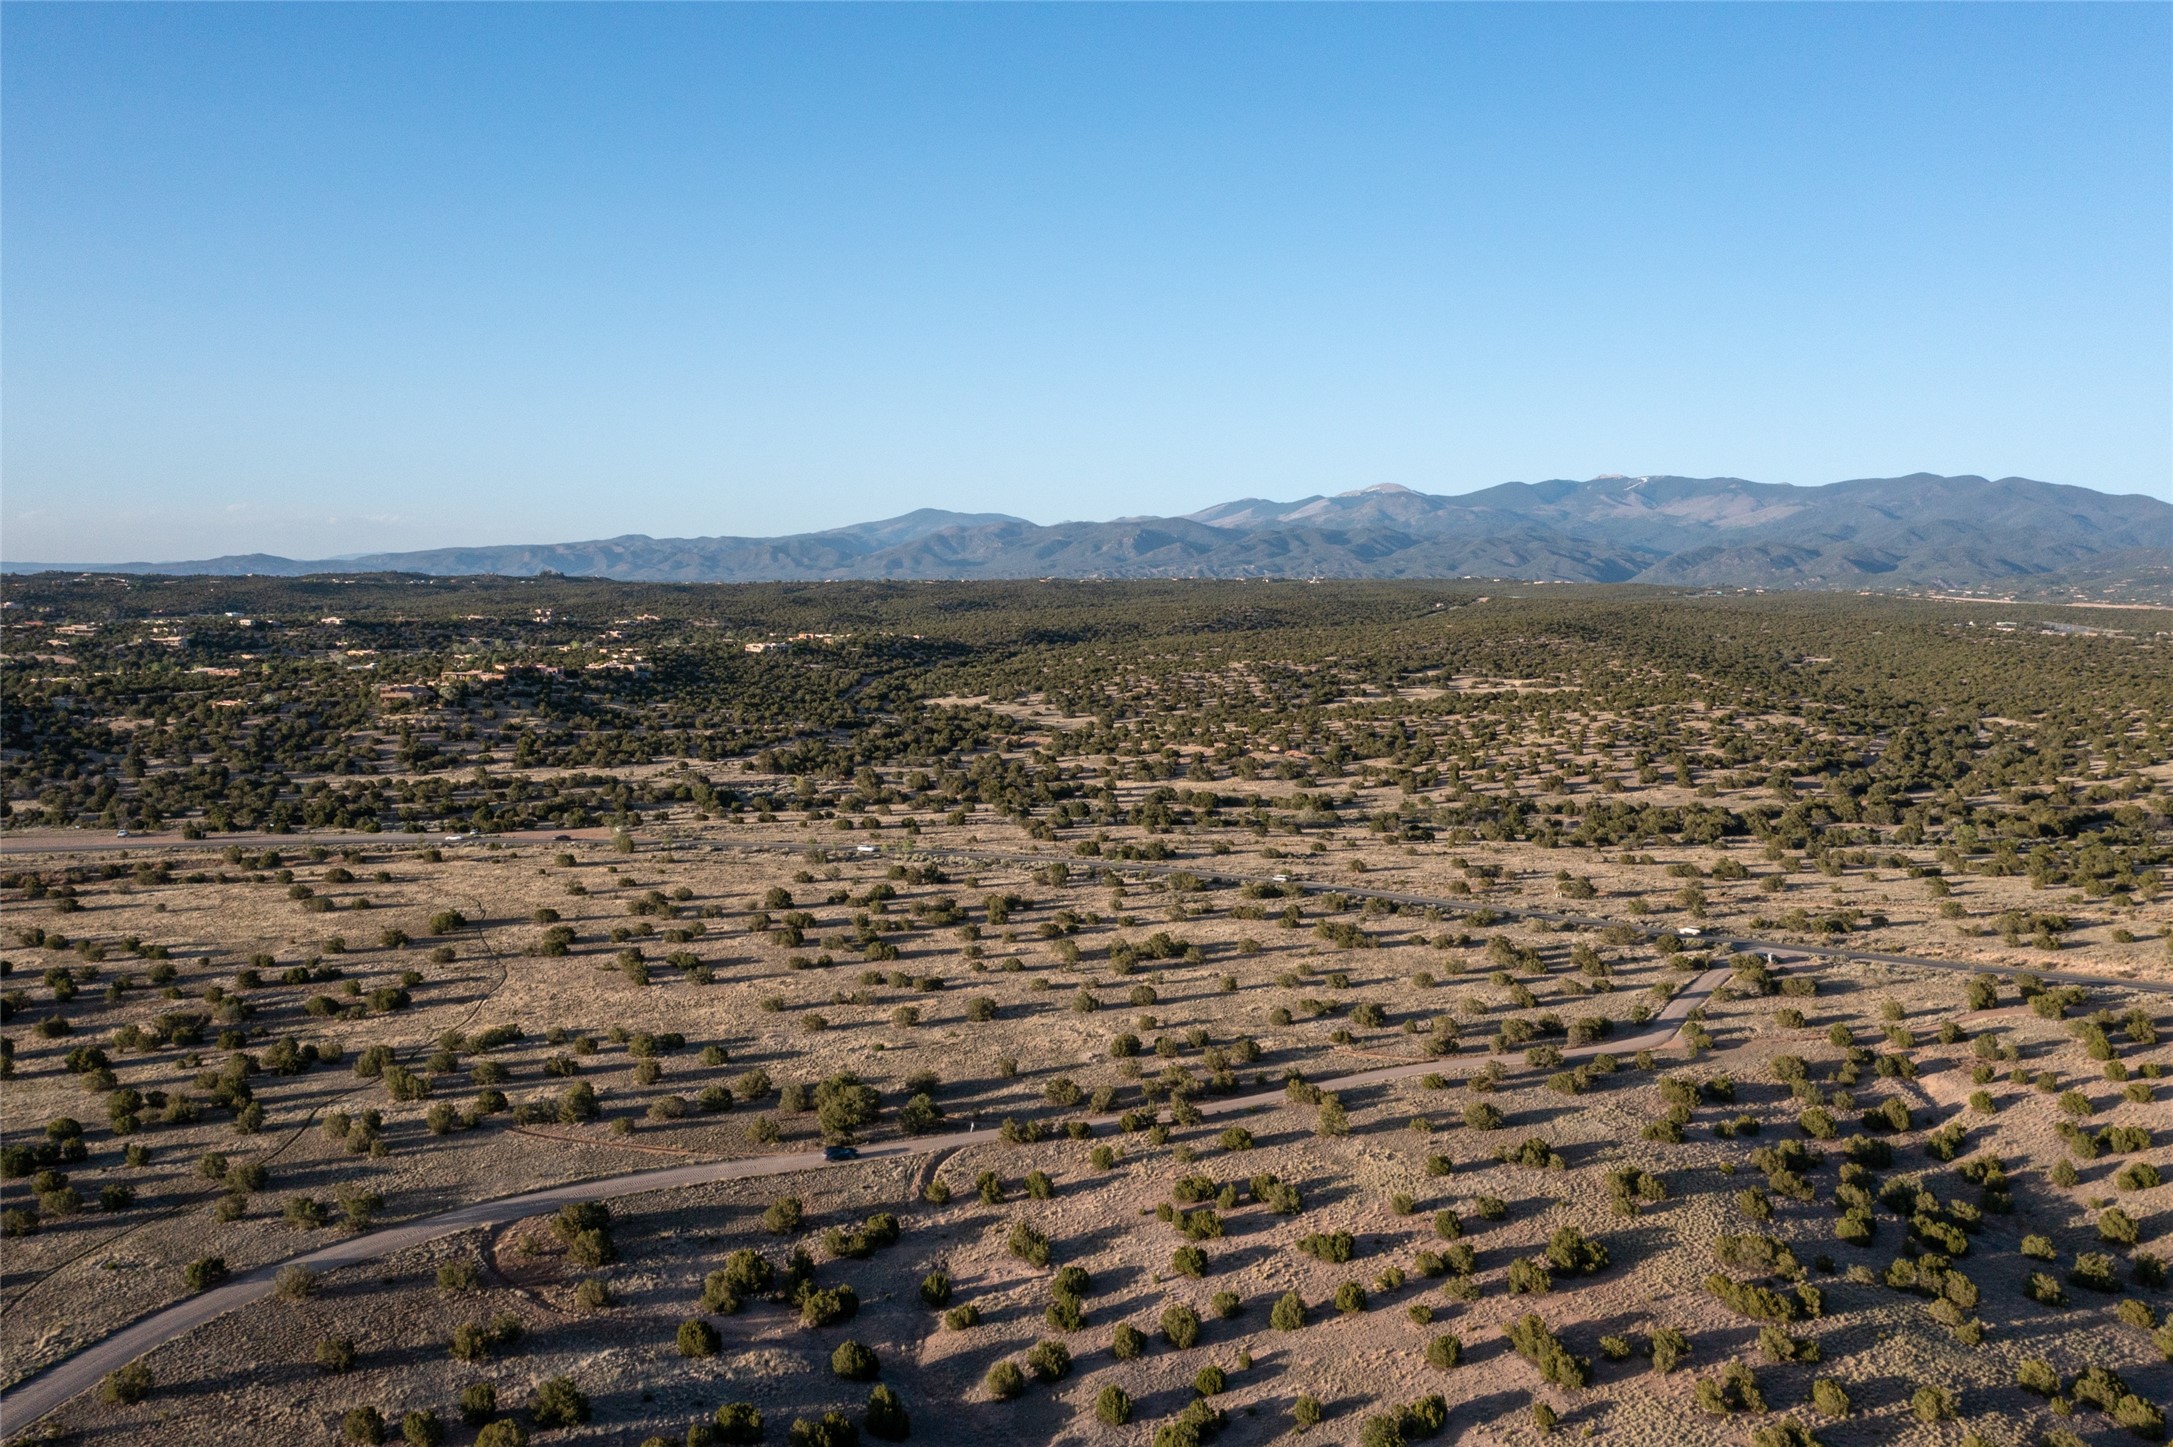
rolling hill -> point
(1922, 530)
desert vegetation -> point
(1123, 883)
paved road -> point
(46, 1390)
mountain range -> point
(1922, 530)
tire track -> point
(48, 1389)
(107, 1243)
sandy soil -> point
(81, 1276)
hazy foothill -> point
(1758, 1008)
(1918, 532)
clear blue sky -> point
(318, 279)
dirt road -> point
(63, 842)
(41, 1393)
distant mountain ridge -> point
(1918, 530)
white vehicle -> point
(1282, 879)
(865, 849)
(1690, 932)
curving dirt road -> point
(107, 1243)
(40, 1393)
(46, 1390)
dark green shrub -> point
(1670, 1348)
(559, 1403)
(1932, 1404)
(478, 1400)
(739, 1424)
(886, 1420)
(126, 1385)
(1049, 1361)
(1531, 1340)
(854, 1362)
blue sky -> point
(325, 279)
